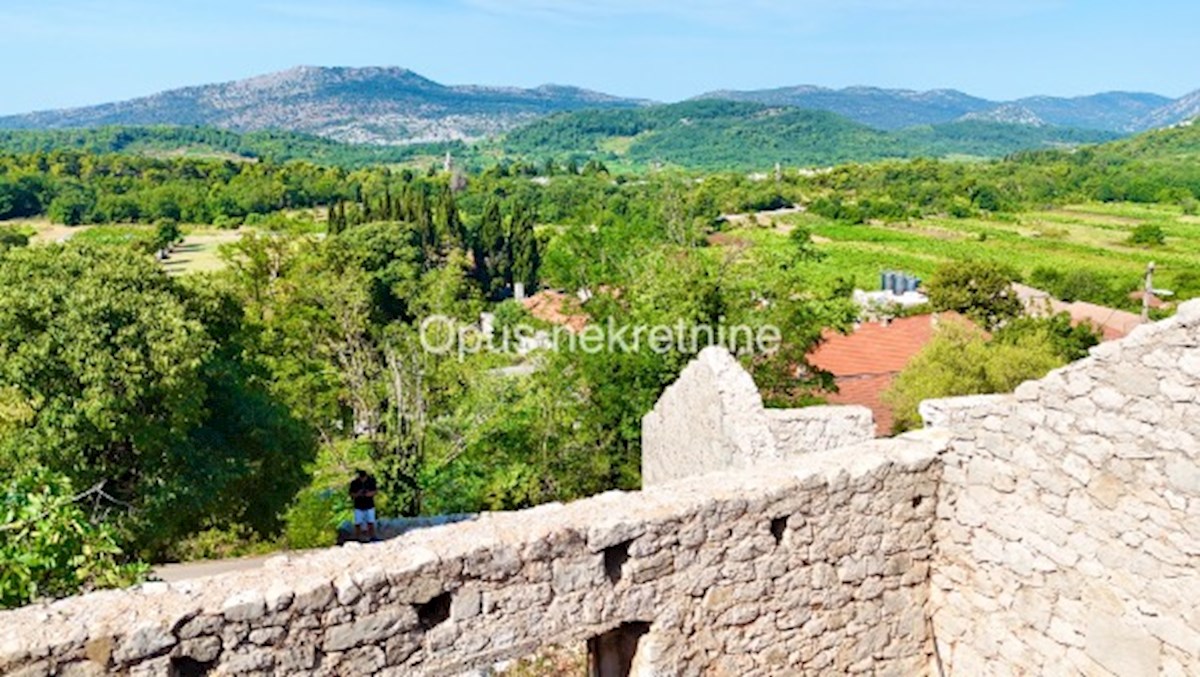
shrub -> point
(220, 542)
(314, 517)
(1148, 235)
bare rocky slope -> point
(360, 105)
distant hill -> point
(360, 105)
(1179, 111)
(1180, 143)
(171, 141)
(879, 108)
(891, 109)
(717, 134)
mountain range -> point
(395, 105)
(1122, 112)
(356, 105)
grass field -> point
(1090, 237)
(197, 253)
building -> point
(1113, 323)
(866, 361)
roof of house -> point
(865, 362)
(875, 347)
(556, 308)
(867, 391)
(1113, 323)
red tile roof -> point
(867, 391)
(865, 362)
(557, 308)
(1113, 323)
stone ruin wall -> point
(1068, 524)
(712, 418)
(816, 566)
(1053, 531)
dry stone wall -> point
(816, 565)
(1052, 531)
(712, 418)
(1069, 516)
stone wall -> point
(1069, 516)
(1055, 530)
(813, 565)
(712, 418)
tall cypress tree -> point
(491, 253)
(422, 218)
(449, 222)
(524, 247)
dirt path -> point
(763, 218)
(184, 571)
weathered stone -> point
(1121, 648)
(373, 628)
(1043, 533)
(142, 643)
(246, 605)
(201, 649)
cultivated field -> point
(1090, 237)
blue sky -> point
(58, 53)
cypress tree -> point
(524, 248)
(448, 219)
(491, 255)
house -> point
(866, 361)
(557, 308)
(1112, 323)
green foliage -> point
(166, 233)
(202, 142)
(223, 542)
(1148, 235)
(11, 238)
(114, 376)
(716, 134)
(314, 518)
(960, 361)
(980, 290)
(1077, 284)
(1070, 341)
(49, 547)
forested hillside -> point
(171, 141)
(731, 135)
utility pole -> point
(1148, 294)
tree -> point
(449, 220)
(961, 361)
(72, 206)
(166, 233)
(523, 247)
(1070, 341)
(50, 547)
(491, 251)
(980, 290)
(111, 376)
